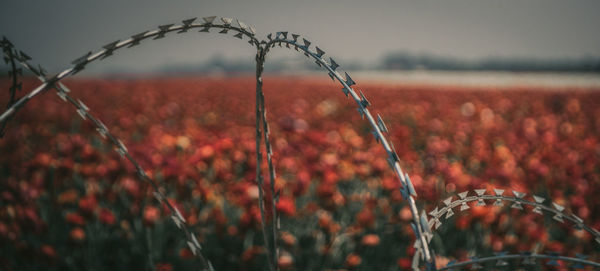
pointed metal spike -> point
(137, 38)
(306, 43)
(165, 27)
(82, 59)
(404, 192)
(464, 206)
(158, 197)
(559, 218)
(42, 71)
(270, 37)
(537, 210)
(376, 135)
(24, 57)
(349, 80)
(411, 188)
(252, 30)
(424, 222)
(517, 205)
(558, 207)
(226, 21)
(121, 145)
(224, 31)
(205, 29)
(480, 202)
(438, 223)
(449, 213)
(139, 35)
(498, 192)
(111, 46)
(415, 261)
(320, 52)
(209, 19)
(480, 192)
(192, 247)
(498, 202)
(381, 124)
(238, 35)
(332, 76)
(434, 212)
(428, 236)
(538, 199)
(361, 112)
(62, 95)
(82, 114)
(178, 223)
(333, 65)
(82, 105)
(179, 214)
(448, 201)
(346, 91)
(363, 100)
(188, 22)
(519, 194)
(63, 87)
(463, 195)
(295, 37)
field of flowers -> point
(68, 201)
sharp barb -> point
(188, 22)
(306, 43)
(519, 194)
(242, 25)
(333, 65)
(226, 21)
(558, 207)
(209, 19)
(498, 192)
(449, 214)
(320, 52)
(448, 201)
(538, 199)
(349, 80)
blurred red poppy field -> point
(68, 201)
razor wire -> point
(421, 226)
(83, 110)
(556, 210)
(379, 129)
(159, 194)
(518, 202)
(9, 53)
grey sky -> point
(56, 32)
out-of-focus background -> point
(476, 94)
